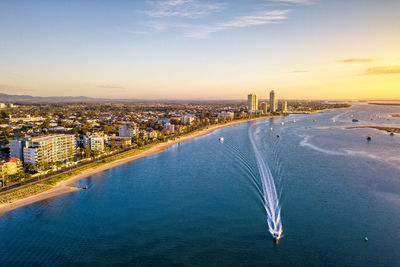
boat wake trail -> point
(270, 195)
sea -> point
(202, 202)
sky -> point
(201, 49)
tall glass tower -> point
(273, 102)
(252, 102)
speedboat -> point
(276, 236)
(221, 139)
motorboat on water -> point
(221, 139)
(276, 236)
(277, 136)
(355, 120)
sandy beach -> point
(65, 187)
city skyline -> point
(193, 49)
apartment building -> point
(52, 148)
(94, 141)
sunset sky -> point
(201, 49)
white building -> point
(2, 105)
(128, 130)
(187, 119)
(226, 115)
(170, 127)
(28, 118)
(50, 148)
(264, 107)
(284, 107)
(273, 102)
(252, 102)
(95, 142)
(120, 141)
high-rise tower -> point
(273, 102)
(252, 102)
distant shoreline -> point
(385, 104)
(64, 186)
(388, 129)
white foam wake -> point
(270, 196)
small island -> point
(382, 128)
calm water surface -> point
(198, 202)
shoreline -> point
(64, 186)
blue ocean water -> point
(198, 203)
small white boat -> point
(294, 121)
(271, 129)
(282, 123)
(221, 139)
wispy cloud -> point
(393, 69)
(299, 71)
(355, 60)
(132, 32)
(181, 14)
(303, 2)
(182, 8)
(107, 86)
(254, 19)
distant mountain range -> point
(28, 98)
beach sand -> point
(65, 187)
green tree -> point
(29, 168)
(87, 151)
(45, 124)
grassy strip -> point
(23, 193)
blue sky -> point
(200, 49)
